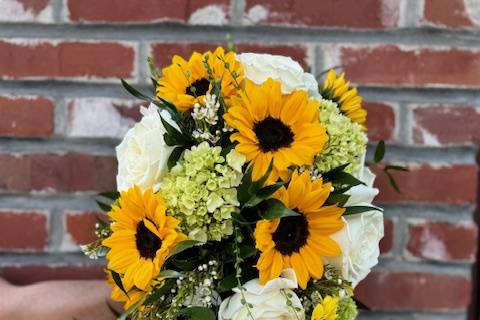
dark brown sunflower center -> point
(147, 242)
(273, 134)
(198, 88)
(291, 234)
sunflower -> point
(272, 126)
(134, 294)
(339, 91)
(299, 242)
(143, 235)
(326, 310)
(185, 83)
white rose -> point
(359, 239)
(259, 67)
(268, 302)
(142, 155)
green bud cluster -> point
(200, 191)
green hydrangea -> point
(346, 140)
(200, 191)
(347, 309)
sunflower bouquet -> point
(242, 194)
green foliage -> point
(197, 313)
(274, 208)
(182, 246)
(360, 209)
(379, 152)
(118, 281)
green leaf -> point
(164, 104)
(392, 181)
(396, 168)
(118, 281)
(330, 174)
(174, 156)
(337, 199)
(379, 152)
(152, 68)
(345, 178)
(169, 274)
(134, 92)
(263, 194)
(112, 195)
(182, 246)
(243, 190)
(105, 207)
(173, 137)
(260, 182)
(160, 291)
(359, 209)
(274, 208)
(227, 283)
(198, 313)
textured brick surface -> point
(413, 66)
(415, 291)
(417, 64)
(31, 225)
(163, 52)
(124, 11)
(26, 11)
(368, 14)
(451, 13)
(46, 59)
(62, 173)
(443, 241)
(26, 117)
(444, 124)
(456, 184)
(87, 117)
(22, 275)
(81, 225)
(380, 121)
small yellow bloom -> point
(186, 82)
(338, 90)
(326, 310)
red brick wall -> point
(417, 63)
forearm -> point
(56, 300)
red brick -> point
(401, 66)
(371, 14)
(163, 52)
(436, 125)
(26, 11)
(34, 5)
(65, 173)
(81, 226)
(22, 275)
(101, 117)
(23, 230)
(118, 11)
(447, 13)
(414, 291)
(26, 117)
(443, 241)
(45, 59)
(455, 184)
(380, 121)
(386, 244)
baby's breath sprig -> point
(238, 269)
